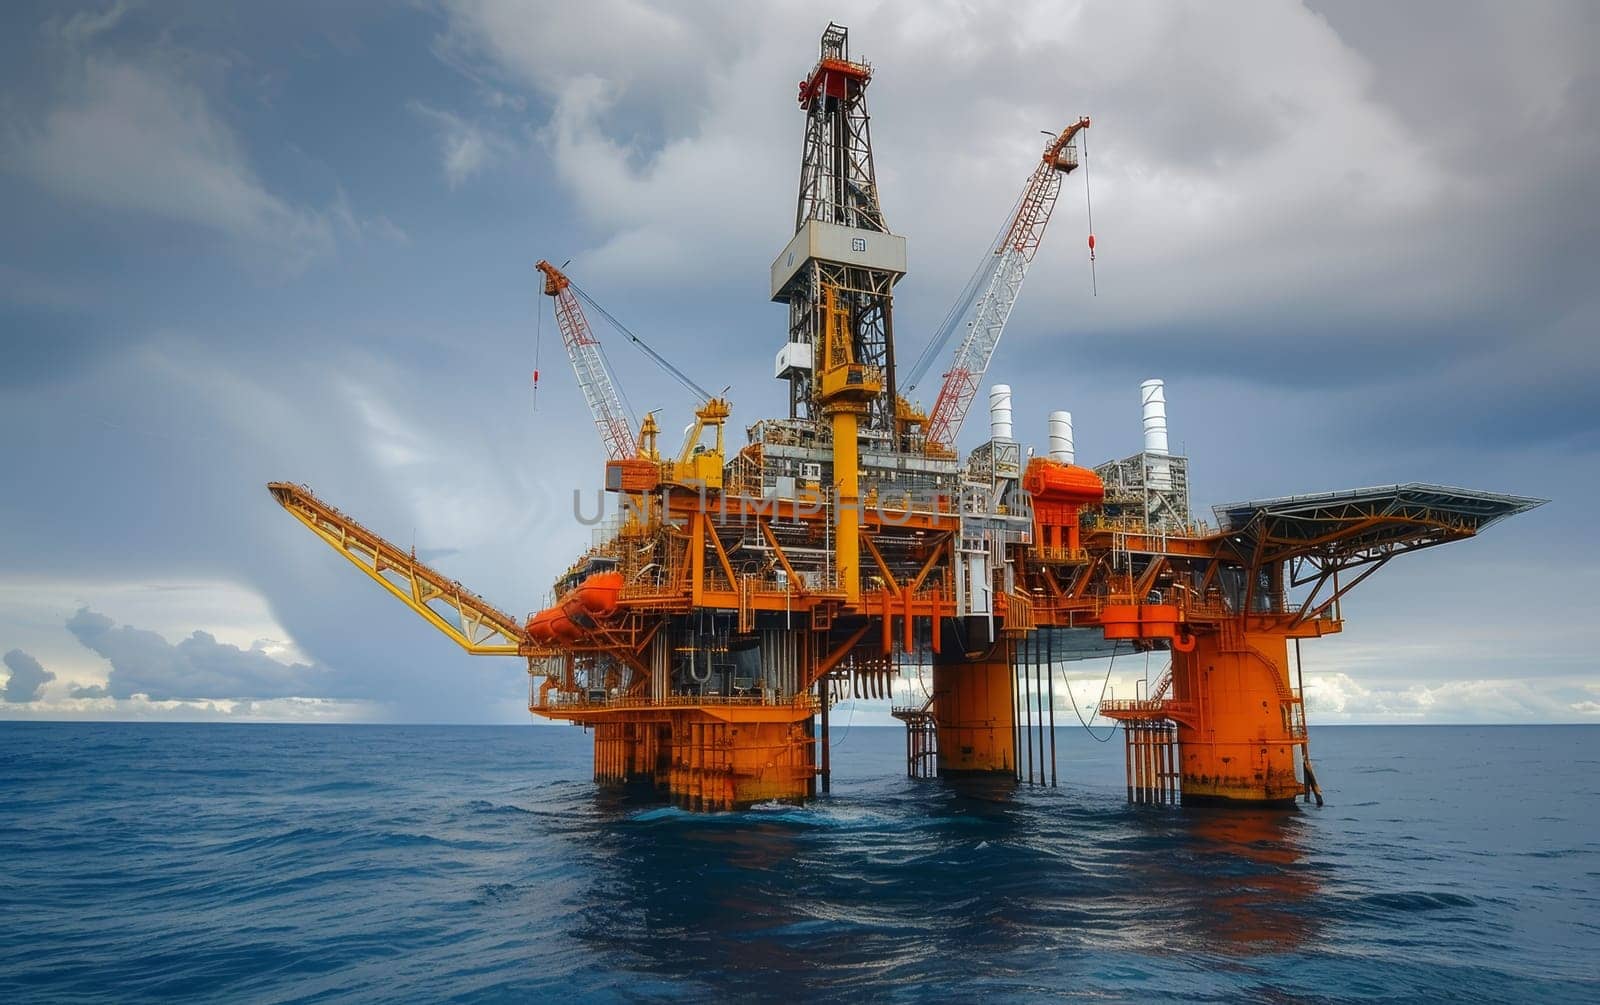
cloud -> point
(199, 667)
(466, 148)
(27, 679)
(1341, 697)
(1277, 205)
(85, 25)
(376, 226)
(90, 691)
(91, 707)
(136, 137)
(1211, 173)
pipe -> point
(824, 696)
(1061, 447)
(1016, 723)
(1027, 704)
(1000, 412)
(847, 505)
(1153, 395)
(1050, 667)
(1039, 694)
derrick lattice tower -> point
(841, 239)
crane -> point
(594, 375)
(1012, 255)
(594, 378)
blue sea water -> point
(388, 863)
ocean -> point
(407, 864)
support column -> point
(1239, 743)
(974, 705)
(712, 763)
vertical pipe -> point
(1133, 760)
(1027, 706)
(846, 506)
(1144, 763)
(1157, 750)
(1033, 685)
(1166, 769)
(1127, 754)
(1019, 690)
(1050, 668)
(1152, 752)
(1150, 762)
(1148, 744)
(1177, 769)
(1142, 771)
(1161, 767)
(1016, 722)
(827, 764)
(1140, 788)
(1038, 697)
(1172, 764)
(1038, 690)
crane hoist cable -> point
(595, 381)
(538, 351)
(1088, 212)
(661, 361)
(992, 309)
(963, 303)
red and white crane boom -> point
(1013, 254)
(594, 378)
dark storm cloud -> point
(27, 679)
(143, 662)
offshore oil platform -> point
(733, 596)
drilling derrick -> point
(841, 240)
(729, 601)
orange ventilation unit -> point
(1059, 492)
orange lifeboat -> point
(598, 595)
(539, 626)
(595, 597)
(563, 627)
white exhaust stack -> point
(1153, 394)
(1000, 412)
(1061, 449)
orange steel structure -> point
(732, 598)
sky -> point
(246, 243)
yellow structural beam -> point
(474, 624)
(845, 388)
